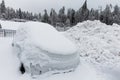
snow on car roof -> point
(48, 38)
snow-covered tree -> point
(3, 8)
(53, 17)
(82, 14)
(39, 17)
(45, 17)
(116, 10)
(62, 16)
(67, 23)
(20, 13)
(0, 26)
(77, 16)
(116, 14)
(93, 14)
(71, 16)
(10, 13)
(107, 14)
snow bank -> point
(98, 43)
(41, 48)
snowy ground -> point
(9, 68)
(98, 46)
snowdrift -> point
(41, 49)
(98, 43)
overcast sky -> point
(39, 5)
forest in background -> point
(69, 17)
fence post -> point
(4, 33)
(7, 33)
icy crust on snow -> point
(97, 42)
(41, 48)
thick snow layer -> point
(83, 72)
(47, 38)
(98, 43)
(9, 67)
(42, 48)
(10, 24)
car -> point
(41, 49)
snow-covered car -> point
(41, 48)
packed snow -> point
(98, 43)
(41, 48)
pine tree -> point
(71, 16)
(116, 10)
(39, 19)
(93, 14)
(53, 17)
(84, 7)
(67, 23)
(0, 26)
(45, 17)
(108, 19)
(84, 12)
(62, 16)
(3, 8)
(20, 13)
(77, 16)
(116, 14)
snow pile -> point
(41, 49)
(98, 43)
